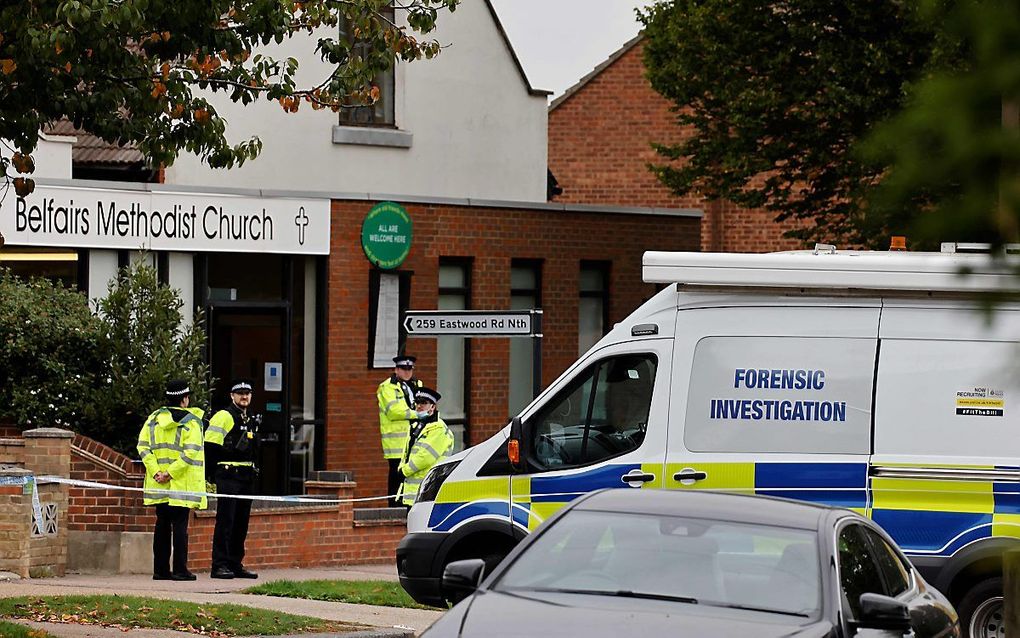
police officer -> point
(170, 446)
(430, 441)
(231, 441)
(395, 396)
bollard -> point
(1011, 591)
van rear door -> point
(604, 427)
(775, 400)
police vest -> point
(237, 435)
(171, 441)
(431, 445)
(396, 411)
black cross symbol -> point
(301, 219)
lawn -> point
(362, 592)
(128, 612)
(13, 630)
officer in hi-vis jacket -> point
(396, 415)
(231, 444)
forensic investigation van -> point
(879, 382)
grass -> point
(13, 630)
(129, 612)
(361, 592)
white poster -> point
(274, 377)
(387, 322)
(165, 220)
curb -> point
(371, 633)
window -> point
(781, 394)
(59, 266)
(671, 556)
(593, 305)
(601, 414)
(525, 293)
(381, 113)
(897, 577)
(453, 355)
(858, 571)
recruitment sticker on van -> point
(980, 402)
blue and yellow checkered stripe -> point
(924, 516)
(938, 517)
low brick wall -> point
(111, 530)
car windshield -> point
(685, 560)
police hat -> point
(241, 386)
(404, 361)
(427, 395)
(177, 388)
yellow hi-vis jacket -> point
(396, 411)
(434, 444)
(174, 446)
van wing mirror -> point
(883, 613)
(517, 446)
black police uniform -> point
(234, 472)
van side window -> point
(602, 413)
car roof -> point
(761, 510)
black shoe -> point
(184, 576)
(221, 572)
(162, 577)
(244, 573)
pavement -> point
(381, 622)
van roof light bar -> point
(954, 247)
(825, 249)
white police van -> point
(867, 380)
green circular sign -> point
(386, 235)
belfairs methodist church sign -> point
(165, 220)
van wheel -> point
(981, 610)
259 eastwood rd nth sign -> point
(163, 220)
(473, 323)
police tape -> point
(37, 513)
(311, 500)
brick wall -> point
(302, 536)
(492, 237)
(600, 147)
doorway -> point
(251, 340)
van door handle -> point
(689, 476)
(637, 476)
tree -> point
(954, 151)
(778, 93)
(138, 72)
(146, 346)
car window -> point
(897, 577)
(602, 413)
(768, 569)
(859, 572)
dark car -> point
(662, 563)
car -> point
(656, 563)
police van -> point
(874, 381)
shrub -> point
(51, 351)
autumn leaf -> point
(375, 93)
(7, 66)
(23, 163)
(201, 116)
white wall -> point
(52, 157)
(477, 132)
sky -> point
(561, 41)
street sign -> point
(473, 323)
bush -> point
(51, 349)
(146, 346)
(62, 365)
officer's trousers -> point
(171, 530)
(231, 516)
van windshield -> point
(667, 558)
